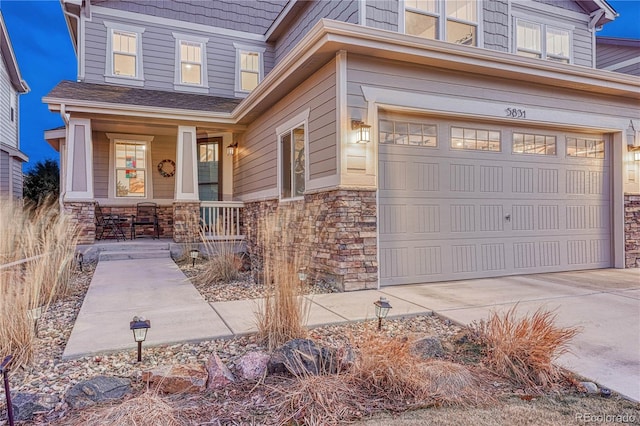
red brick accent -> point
(632, 230)
(336, 230)
(82, 214)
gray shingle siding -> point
(382, 14)
(495, 15)
(339, 10)
(247, 15)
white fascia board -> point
(186, 26)
(274, 26)
(10, 59)
(371, 41)
(609, 12)
(72, 105)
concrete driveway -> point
(605, 303)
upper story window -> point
(191, 64)
(543, 41)
(124, 54)
(13, 107)
(249, 68)
(455, 21)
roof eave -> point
(17, 82)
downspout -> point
(63, 183)
(78, 41)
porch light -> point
(631, 135)
(302, 274)
(231, 149)
(636, 156)
(382, 309)
(194, 253)
(363, 131)
(139, 326)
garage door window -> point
(475, 139)
(527, 143)
(408, 133)
(584, 147)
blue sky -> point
(45, 56)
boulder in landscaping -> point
(303, 357)
(252, 365)
(219, 373)
(97, 389)
(428, 347)
(26, 405)
(177, 378)
(590, 387)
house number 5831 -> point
(516, 113)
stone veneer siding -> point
(82, 214)
(186, 219)
(337, 231)
(632, 230)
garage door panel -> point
(471, 214)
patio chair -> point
(109, 223)
(146, 216)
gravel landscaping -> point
(242, 403)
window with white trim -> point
(191, 63)
(249, 68)
(475, 139)
(124, 54)
(585, 147)
(292, 162)
(455, 21)
(537, 40)
(130, 169)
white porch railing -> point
(220, 220)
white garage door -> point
(460, 200)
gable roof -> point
(104, 94)
(9, 59)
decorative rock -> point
(97, 389)
(590, 387)
(252, 365)
(26, 405)
(219, 374)
(177, 378)
(428, 347)
(302, 356)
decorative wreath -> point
(167, 168)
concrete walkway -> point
(604, 303)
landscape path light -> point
(194, 253)
(302, 274)
(139, 326)
(35, 315)
(382, 309)
(4, 370)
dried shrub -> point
(221, 264)
(453, 384)
(319, 400)
(524, 348)
(284, 309)
(37, 251)
(386, 367)
(146, 409)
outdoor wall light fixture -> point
(139, 326)
(363, 130)
(194, 253)
(636, 156)
(631, 136)
(231, 149)
(4, 370)
(382, 309)
(302, 274)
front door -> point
(209, 169)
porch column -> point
(186, 207)
(78, 178)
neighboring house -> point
(429, 141)
(618, 54)
(11, 87)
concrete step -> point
(134, 254)
(133, 246)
